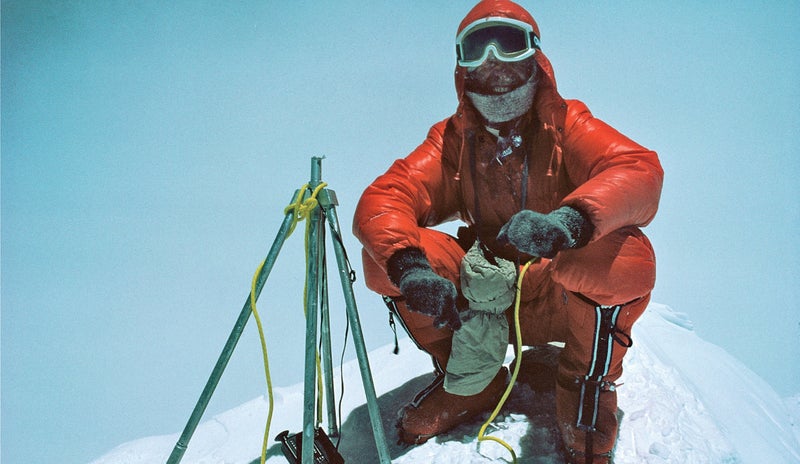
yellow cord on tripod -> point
(266, 360)
(300, 210)
(482, 434)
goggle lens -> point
(508, 40)
(511, 40)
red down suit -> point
(569, 158)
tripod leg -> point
(211, 385)
(358, 338)
(312, 293)
(325, 335)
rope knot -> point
(301, 209)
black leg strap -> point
(606, 333)
(592, 383)
(391, 303)
(392, 311)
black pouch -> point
(324, 451)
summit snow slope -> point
(684, 401)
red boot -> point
(583, 445)
(435, 411)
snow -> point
(683, 400)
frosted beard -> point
(507, 106)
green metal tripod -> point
(316, 310)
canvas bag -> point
(479, 346)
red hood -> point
(502, 8)
(505, 9)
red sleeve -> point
(618, 181)
(413, 193)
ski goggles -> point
(509, 39)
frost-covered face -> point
(495, 77)
(501, 91)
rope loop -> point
(301, 209)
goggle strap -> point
(534, 40)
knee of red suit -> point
(615, 269)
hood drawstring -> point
(457, 177)
(556, 154)
(555, 160)
(460, 115)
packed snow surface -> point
(683, 400)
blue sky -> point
(149, 148)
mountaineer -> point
(530, 174)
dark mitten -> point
(545, 235)
(425, 291)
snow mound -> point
(684, 400)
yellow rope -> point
(266, 360)
(482, 434)
(305, 210)
(300, 209)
